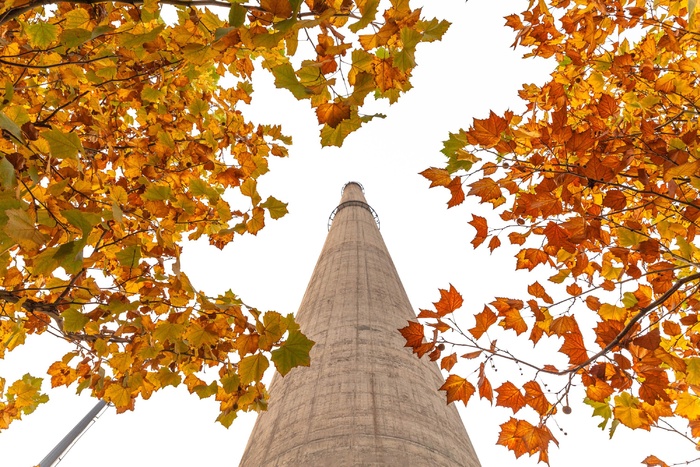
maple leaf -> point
(449, 301)
(479, 223)
(332, 113)
(521, 437)
(529, 258)
(486, 189)
(484, 320)
(487, 132)
(509, 396)
(574, 348)
(414, 334)
(457, 389)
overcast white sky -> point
(471, 71)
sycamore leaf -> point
(509, 396)
(414, 334)
(629, 412)
(74, 320)
(457, 389)
(41, 34)
(21, 228)
(482, 230)
(26, 394)
(63, 145)
(292, 353)
(252, 368)
(332, 113)
(118, 395)
(484, 320)
(275, 207)
(449, 301)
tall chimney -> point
(366, 399)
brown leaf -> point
(332, 113)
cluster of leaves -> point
(119, 140)
(599, 181)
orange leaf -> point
(535, 398)
(479, 223)
(486, 189)
(564, 324)
(332, 113)
(437, 177)
(652, 461)
(414, 334)
(510, 396)
(448, 362)
(522, 437)
(484, 320)
(573, 347)
(457, 192)
(457, 389)
(529, 258)
(536, 290)
(487, 132)
(485, 389)
(449, 301)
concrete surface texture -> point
(366, 400)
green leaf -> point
(129, 257)
(252, 368)
(132, 41)
(336, 136)
(285, 78)
(236, 15)
(70, 256)
(7, 174)
(206, 391)
(7, 124)
(368, 15)
(41, 34)
(226, 418)
(75, 37)
(292, 353)
(63, 145)
(73, 320)
(157, 192)
(85, 221)
(275, 207)
(433, 30)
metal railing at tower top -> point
(353, 202)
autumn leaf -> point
(332, 113)
(252, 367)
(484, 320)
(449, 301)
(486, 189)
(457, 389)
(509, 396)
(479, 223)
(487, 132)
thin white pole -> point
(64, 445)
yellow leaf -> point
(688, 406)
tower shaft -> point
(365, 399)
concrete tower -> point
(365, 400)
